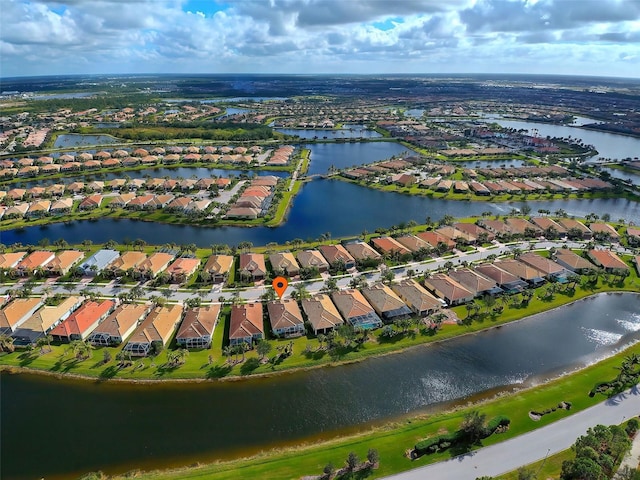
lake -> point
(343, 155)
(342, 208)
(77, 140)
(117, 427)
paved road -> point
(530, 447)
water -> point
(491, 164)
(63, 96)
(623, 174)
(233, 111)
(349, 131)
(342, 208)
(415, 112)
(342, 155)
(77, 140)
(609, 145)
(580, 121)
(107, 125)
(117, 427)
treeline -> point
(100, 102)
(205, 130)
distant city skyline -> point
(567, 37)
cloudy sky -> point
(590, 37)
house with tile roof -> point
(128, 260)
(386, 303)
(605, 231)
(252, 266)
(10, 260)
(310, 259)
(335, 254)
(505, 280)
(389, 246)
(421, 302)
(18, 311)
(526, 272)
(572, 261)
(284, 263)
(449, 290)
(155, 331)
(550, 269)
(63, 262)
(413, 243)
(475, 282)
(219, 267)
(155, 263)
(119, 324)
(182, 269)
(321, 313)
(245, 324)
(83, 321)
(608, 260)
(285, 318)
(355, 309)
(196, 330)
(360, 251)
(44, 320)
(33, 261)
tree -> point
(263, 348)
(6, 343)
(330, 286)
(526, 474)
(473, 425)
(388, 276)
(373, 456)
(106, 356)
(300, 292)
(328, 470)
(352, 461)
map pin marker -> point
(280, 285)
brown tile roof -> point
(158, 325)
(572, 259)
(415, 295)
(10, 260)
(334, 253)
(448, 287)
(65, 260)
(607, 259)
(36, 259)
(284, 314)
(389, 245)
(246, 321)
(155, 263)
(17, 310)
(219, 264)
(311, 259)
(361, 251)
(83, 318)
(199, 322)
(382, 298)
(186, 266)
(548, 267)
(604, 228)
(122, 319)
(520, 269)
(321, 312)
(351, 303)
(284, 261)
(473, 281)
(128, 260)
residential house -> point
(505, 280)
(480, 234)
(633, 236)
(99, 261)
(33, 261)
(550, 269)
(312, 259)
(522, 227)
(458, 236)
(16, 211)
(182, 268)
(62, 206)
(362, 252)
(448, 289)
(475, 282)
(420, 301)
(14, 314)
(91, 202)
(43, 320)
(436, 239)
(526, 272)
(608, 260)
(572, 261)
(155, 330)
(63, 261)
(125, 262)
(550, 227)
(252, 266)
(389, 246)
(284, 263)
(321, 313)
(218, 266)
(386, 303)
(9, 261)
(413, 243)
(245, 324)
(153, 265)
(83, 321)
(196, 330)
(285, 318)
(38, 209)
(604, 230)
(355, 309)
(119, 325)
(121, 201)
(575, 229)
(335, 254)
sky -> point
(572, 37)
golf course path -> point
(532, 446)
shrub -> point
(632, 427)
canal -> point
(54, 428)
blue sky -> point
(583, 37)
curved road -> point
(533, 446)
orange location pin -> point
(280, 285)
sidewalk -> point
(631, 459)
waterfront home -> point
(550, 227)
(604, 230)
(62, 206)
(83, 321)
(636, 262)
(413, 243)
(389, 246)
(155, 330)
(196, 330)
(160, 201)
(91, 202)
(243, 213)
(284, 263)
(119, 325)
(526, 272)
(16, 194)
(219, 267)
(355, 309)
(63, 262)
(9, 261)
(336, 254)
(458, 236)
(575, 229)
(498, 227)
(550, 269)
(362, 252)
(633, 236)
(572, 261)
(421, 302)
(479, 234)
(17, 312)
(55, 190)
(153, 265)
(522, 228)
(99, 261)
(16, 211)
(121, 201)
(386, 303)
(285, 318)
(611, 262)
(505, 280)
(33, 261)
(43, 320)
(182, 268)
(449, 290)
(38, 209)
(312, 259)
(321, 313)
(435, 239)
(125, 262)
(245, 324)
(479, 189)
(141, 203)
(252, 266)
(475, 282)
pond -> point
(78, 140)
(348, 131)
(343, 155)
(117, 427)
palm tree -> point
(6, 343)
(227, 352)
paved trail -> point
(530, 447)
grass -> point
(393, 440)
(544, 469)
